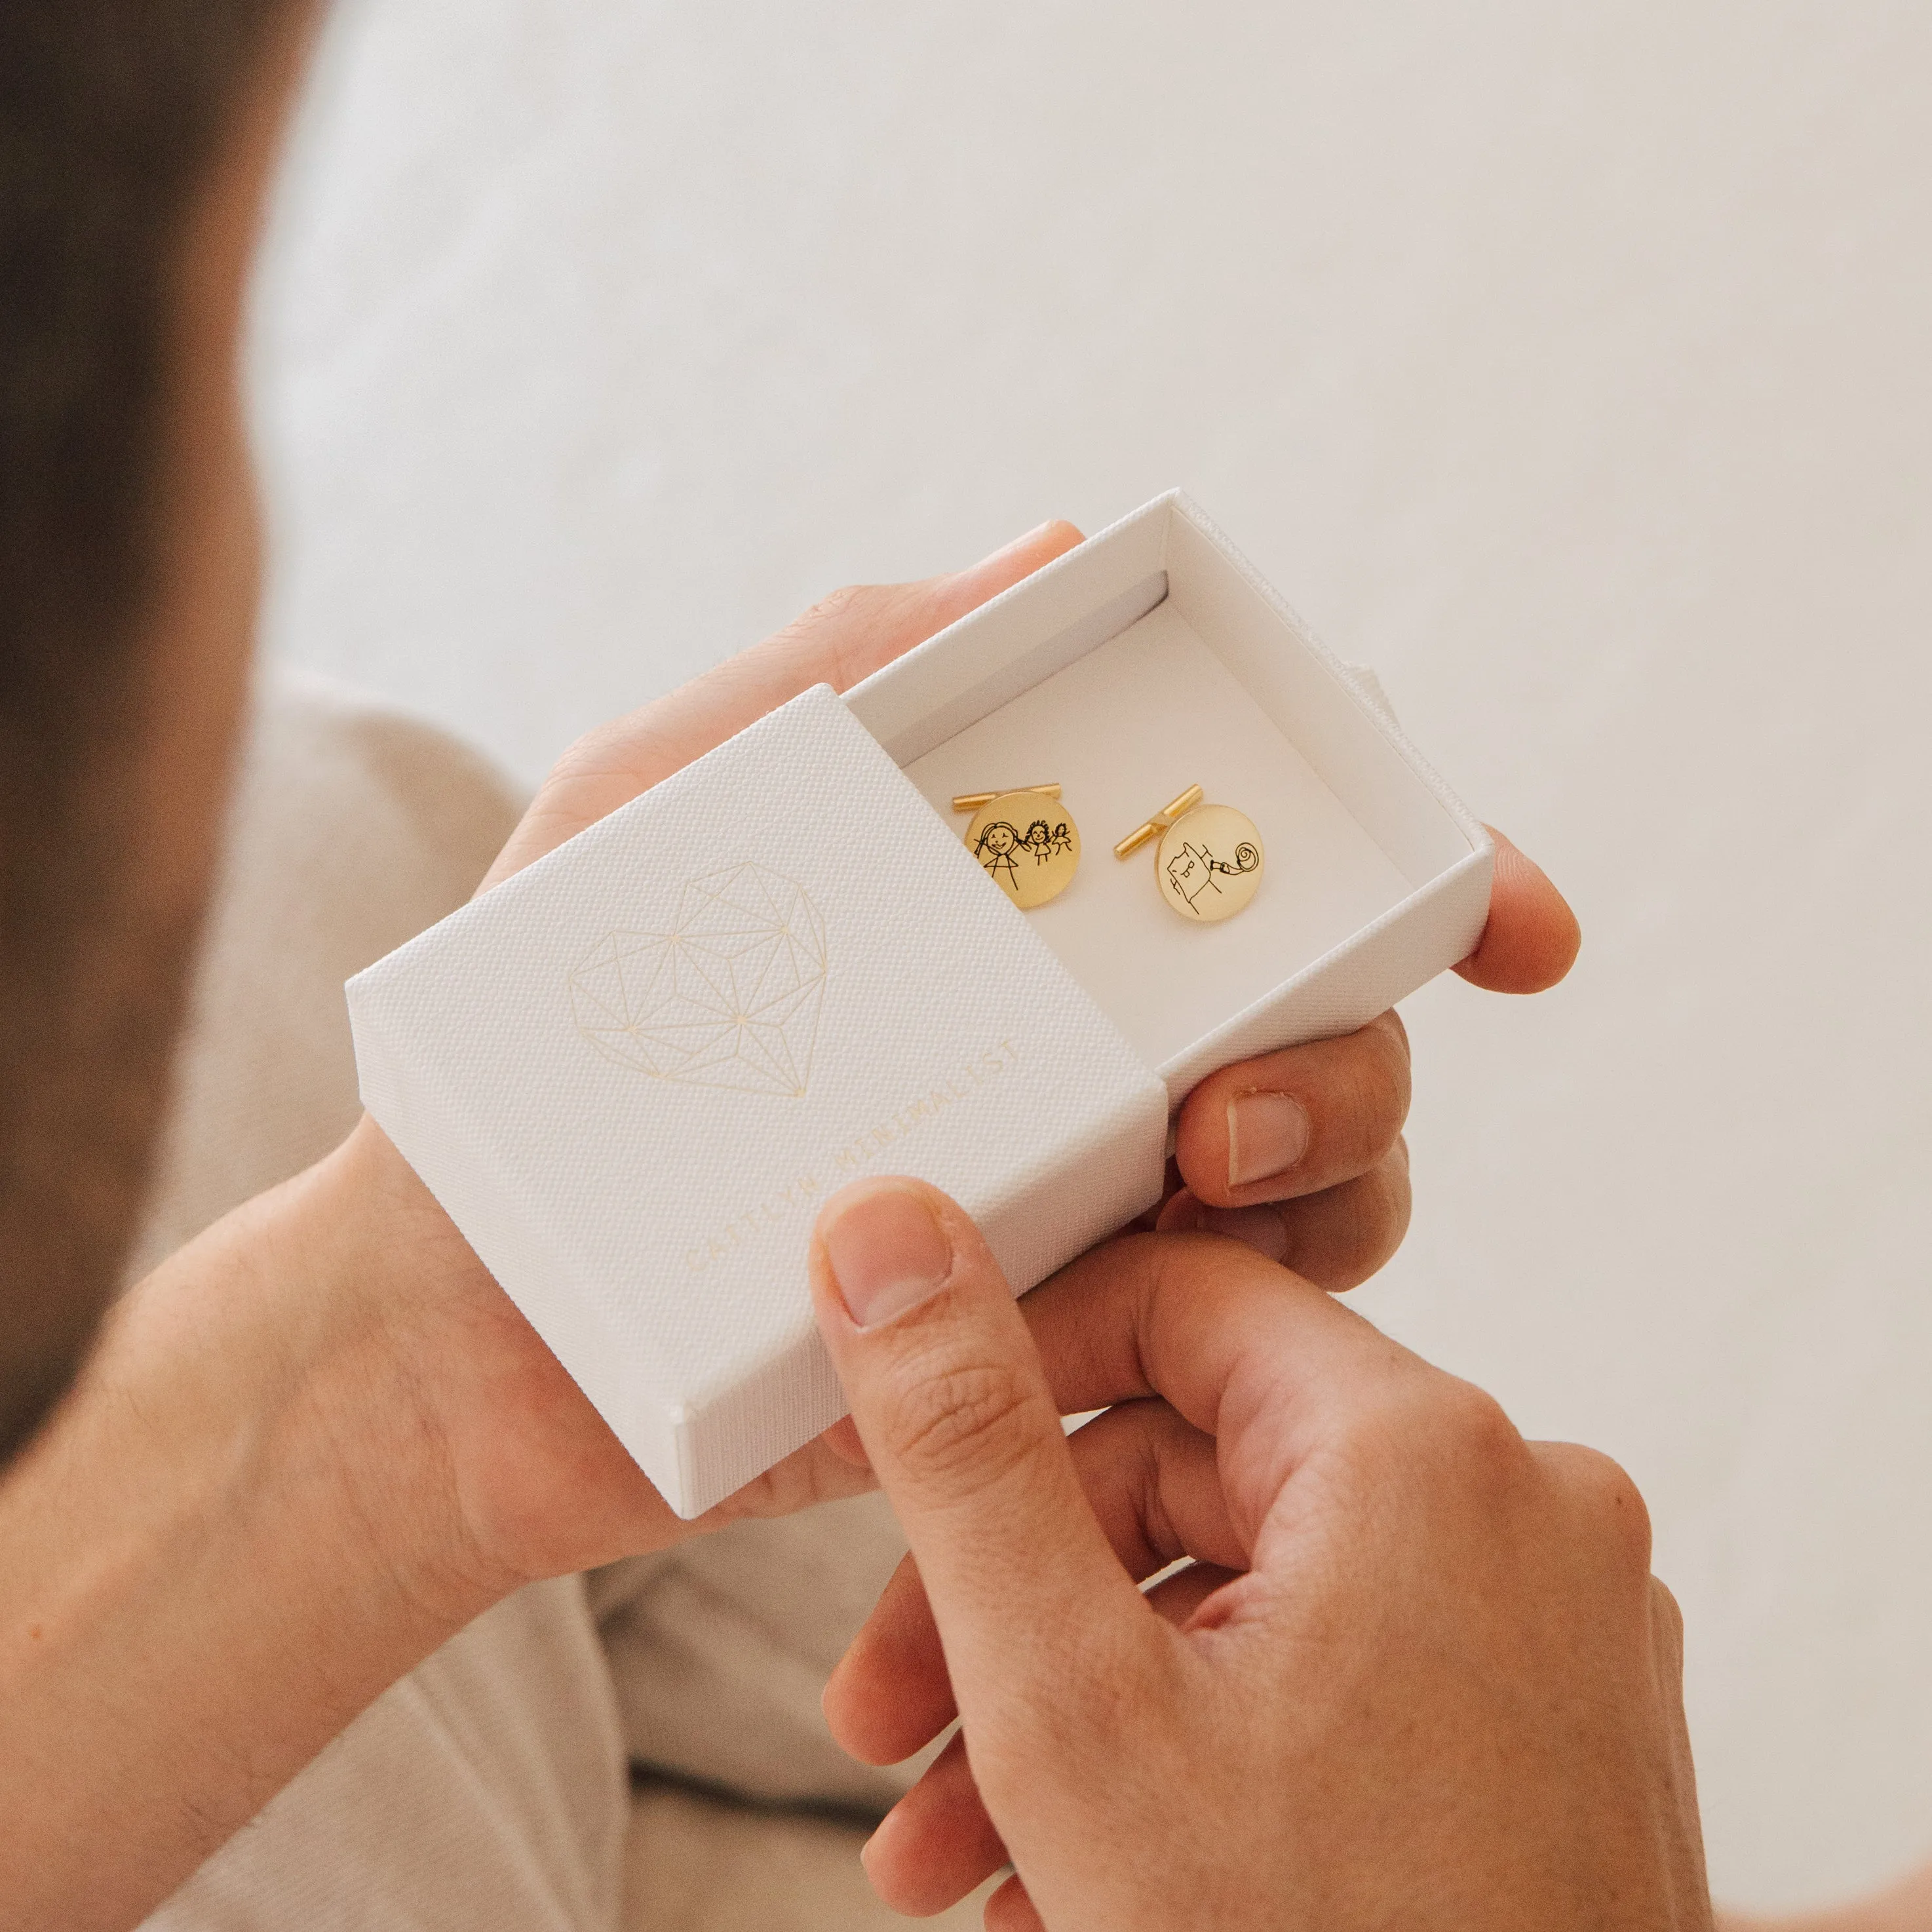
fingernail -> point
(869, 1848)
(888, 1253)
(1262, 1229)
(1267, 1133)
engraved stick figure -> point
(1039, 841)
(995, 850)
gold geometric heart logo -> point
(729, 997)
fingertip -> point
(850, 1706)
(842, 1439)
(886, 1248)
(936, 1843)
(889, 1695)
(843, 1705)
(1260, 1227)
(1022, 556)
(1532, 937)
(1044, 541)
(1011, 1909)
(1296, 1121)
(1181, 1213)
(877, 1858)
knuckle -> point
(968, 1424)
(1385, 1088)
(1666, 1629)
(1668, 1616)
(1606, 1510)
(1622, 1511)
(856, 629)
(1448, 1432)
(1359, 1090)
(1380, 1212)
(851, 607)
(840, 603)
(1470, 1425)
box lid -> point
(633, 1071)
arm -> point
(233, 1535)
(318, 1440)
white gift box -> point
(632, 1071)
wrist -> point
(385, 1268)
(484, 1465)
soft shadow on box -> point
(632, 1072)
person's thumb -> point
(953, 1408)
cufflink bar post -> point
(976, 801)
(1154, 826)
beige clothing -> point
(486, 1790)
(489, 1788)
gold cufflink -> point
(1026, 840)
(1210, 860)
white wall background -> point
(1567, 363)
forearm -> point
(233, 1538)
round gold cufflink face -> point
(1210, 860)
(1026, 842)
(1210, 863)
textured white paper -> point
(632, 1072)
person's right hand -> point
(1420, 1675)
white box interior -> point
(1155, 659)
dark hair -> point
(111, 112)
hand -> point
(532, 1477)
(1419, 1673)
(346, 1441)
(1300, 1153)
(515, 1432)
(341, 1420)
